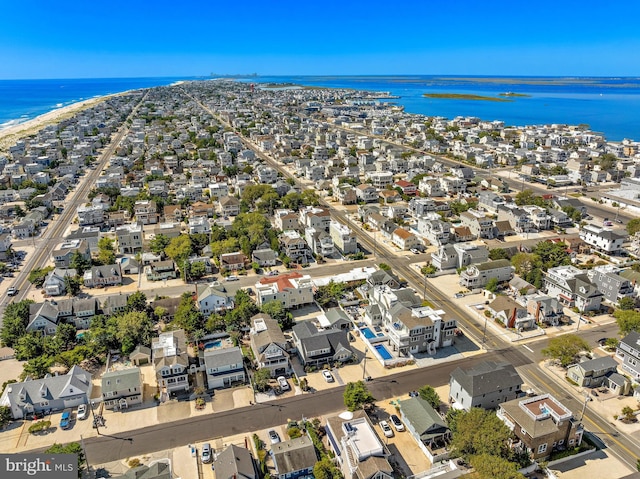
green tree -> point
(79, 263)
(131, 329)
(356, 395)
(488, 466)
(137, 302)
(179, 249)
(5, 416)
(14, 322)
(106, 251)
(498, 253)
(159, 243)
(626, 303)
(628, 414)
(275, 309)
(480, 432)
(628, 320)
(326, 469)
(66, 334)
(430, 395)
(292, 201)
(492, 285)
(552, 254)
(384, 267)
(566, 348)
(38, 275)
(330, 293)
(633, 226)
(197, 270)
(37, 367)
(72, 285)
(187, 316)
(29, 346)
(261, 379)
(71, 448)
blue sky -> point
(115, 38)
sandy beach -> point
(8, 136)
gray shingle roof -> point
(215, 358)
(486, 377)
(294, 455)
(234, 463)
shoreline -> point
(13, 133)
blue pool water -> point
(213, 344)
(367, 333)
(382, 351)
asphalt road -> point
(265, 415)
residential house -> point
(90, 215)
(129, 238)
(598, 372)
(343, 238)
(140, 356)
(160, 270)
(43, 317)
(173, 213)
(51, 393)
(406, 240)
(628, 352)
(5, 246)
(224, 367)
(480, 226)
(170, 362)
(314, 217)
(214, 299)
(478, 275)
(155, 470)
(229, 206)
(294, 246)
(542, 424)
(613, 286)
(55, 282)
(544, 309)
(62, 254)
(235, 462)
(286, 220)
(383, 278)
(202, 209)
(485, 385)
(233, 261)
(601, 239)
(122, 389)
(511, 313)
(292, 290)
(319, 241)
(145, 212)
(435, 231)
(358, 450)
(294, 458)
(269, 345)
(102, 276)
(572, 287)
(264, 257)
(407, 187)
(426, 427)
(316, 346)
(366, 193)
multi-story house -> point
(294, 458)
(426, 426)
(170, 361)
(63, 254)
(596, 372)
(544, 309)
(542, 424)
(343, 238)
(129, 238)
(51, 393)
(407, 187)
(294, 246)
(435, 231)
(55, 283)
(224, 367)
(405, 240)
(480, 226)
(601, 239)
(539, 217)
(160, 270)
(484, 385)
(518, 219)
(233, 261)
(319, 241)
(101, 276)
(90, 215)
(478, 275)
(613, 286)
(628, 352)
(292, 290)
(264, 257)
(235, 462)
(145, 212)
(316, 345)
(229, 206)
(269, 345)
(214, 299)
(380, 179)
(122, 388)
(366, 193)
(572, 287)
(314, 217)
(199, 224)
(459, 255)
(490, 201)
(347, 437)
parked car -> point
(282, 382)
(83, 412)
(386, 429)
(194, 451)
(397, 423)
(65, 420)
(414, 251)
(273, 437)
(12, 291)
(327, 376)
(272, 273)
(205, 454)
(232, 277)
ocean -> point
(608, 105)
(22, 100)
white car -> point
(282, 382)
(386, 429)
(273, 437)
(327, 376)
(397, 423)
(83, 412)
(414, 251)
(232, 277)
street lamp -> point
(587, 398)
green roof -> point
(424, 420)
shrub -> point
(135, 462)
(39, 426)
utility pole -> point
(364, 364)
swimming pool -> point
(382, 351)
(367, 333)
(213, 344)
